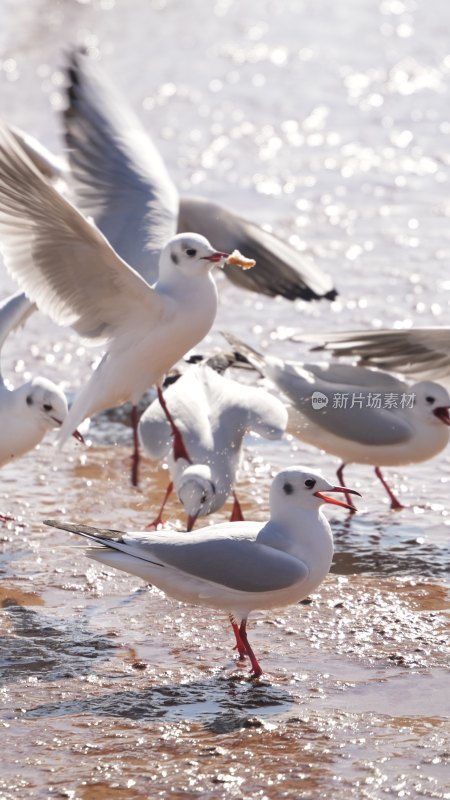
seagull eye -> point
(288, 488)
(47, 407)
(191, 252)
(310, 483)
(29, 400)
(203, 498)
(429, 399)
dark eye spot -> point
(47, 407)
(310, 483)
(29, 400)
(191, 252)
(203, 498)
(288, 488)
(174, 258)
(430, 399)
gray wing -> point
(238, 563)
(119, 177)
(280, 269)
(13, 312)
(423, 352)
(356, 421)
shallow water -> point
(328, 122)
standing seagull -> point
(363, 416)
(121, 181)
(237, 567)
(28, 412)
(68, 268)
(213, 414)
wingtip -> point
(52, 523)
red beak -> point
(191, 522)
(78, 436)
(333, 500)
(442, 414)
(216, 257)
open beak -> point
(442, 414)
(333, 500)
(191, 520)
(216, 257)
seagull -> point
(361, 415)
(213, 414)
(68, 268)
(237, 567)
(119, 179)
(422, 352)
(28, 412)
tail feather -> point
(95, 534)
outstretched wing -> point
(118, 176)
(423, 352)
(63, 263)
(280, 268)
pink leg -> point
(136, 456)
(179, 447)
(256, 669)
(348, 497)
(240, 646)
(158, 519)
(236, 513)
(396, 505)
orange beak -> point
(333, 500)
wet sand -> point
(109, 689)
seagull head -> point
(433, 400)
(197, 493)
(46, 403)
(299, 488)
(189, 254)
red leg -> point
(136, 455)
(240, 646)
(236, 513)
(179, 447)
(348, 497)
(396, 505)
(256, 669)
(158, 519)
(4, 518)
